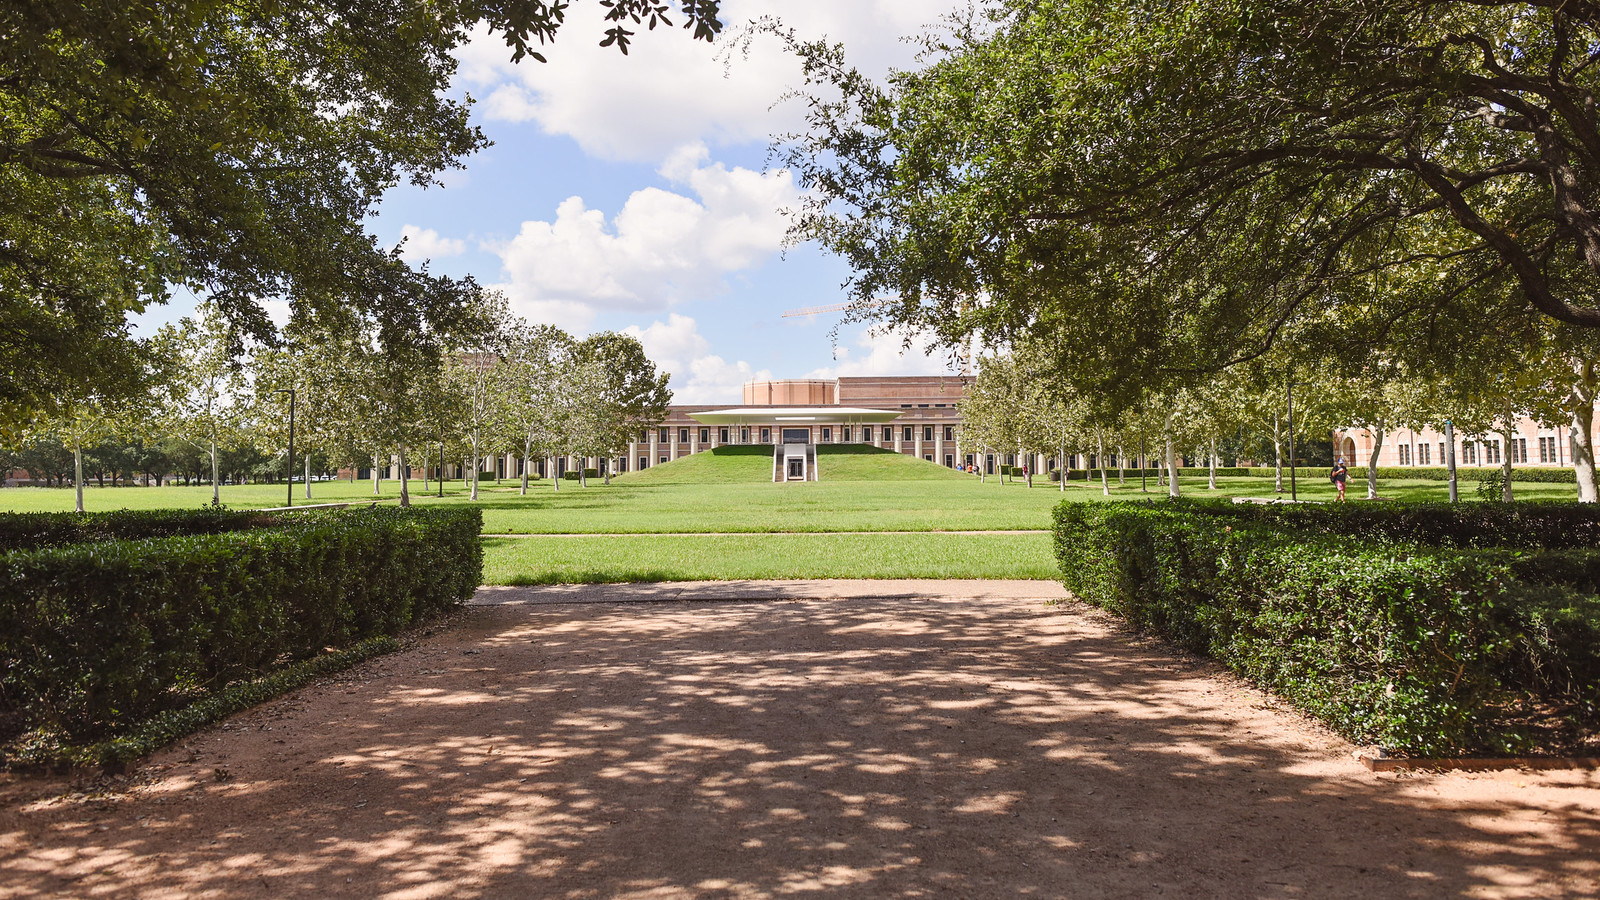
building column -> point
(899, 434)
(918, 443)
(938, 445)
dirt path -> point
(895, 746)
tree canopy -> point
(235, 147)
(1165, 189)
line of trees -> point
(493, 385)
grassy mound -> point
(753, 463)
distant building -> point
(1529, 444)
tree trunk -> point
(1277, 455)
(1027, 468)
(377, 480)
(1063, 467)
(427, 457)
(527, 451)
(1105, 485)
(1211, 483)
(555, 477)
(405, 479)
(1581, 403)
(1172, 463)
(583, 474)
(1122, 466)
(1505, 459)
(608, 471)
(308, 476)
(1372, 462)
(476, 465)
(216, 477)
(77, 474)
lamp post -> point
(289, 476)
(1293, 495)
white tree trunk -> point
(1277, 455)
(1105, 484)
(1211, 483)
(1372, 462)
(1581, 404)
(1172, 463)
(377, 479)
(583, 474)
(405, 479)
(477, 463)
(308, 476)
(527, 451)
(77, 474)
(216, 482)
(1505, 459)
(1122, 466)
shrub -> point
(569, 475)
(27, 531)
(1464, 474)
(1425, 649)
(94, 637)
(1549, 524)
(591, 473)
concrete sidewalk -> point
(820, 589)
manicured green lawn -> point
(664, 515)
(678, 557)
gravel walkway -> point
(862, 739)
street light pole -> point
(290, 474)
(1293, 495)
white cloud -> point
(885, 354)
(661, 246)
(425, 243)
(669, 89)
(698, 375)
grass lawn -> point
(730, 490)
(708, 557)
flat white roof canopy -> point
(757, 415)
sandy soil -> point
(888, 746)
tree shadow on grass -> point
(891, 747)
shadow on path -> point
(890, 747)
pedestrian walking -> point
(1339, 476)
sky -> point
(632, 193)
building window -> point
(1405, 455)
(744, 435)
(766, 435)
(662, 435)
(683, 435)
(722, 435)
(705, 435)
(1491, 452)
(1469, 453)
(1547, 449)
(949, 460)
(949, 432)
(844, 433)
(906, 434)
(665, 458)
(888, 433)
(1519, 450)
(988, 463)
(644, 436)
(928, 457)
(1011, 459)
(644, 462)
(827, 433)
(927, 432)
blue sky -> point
(631, 193)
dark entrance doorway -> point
(797, 469)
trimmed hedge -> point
(1464, 474)
(1424, 649)
(1545, 524)
(28, 531)
(96, 637)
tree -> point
(235, 146)
(632, 395)
(1163, 190)
(206, 388)
(471, 356)
(530, 387)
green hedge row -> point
(1427, 650)
(95, 637)
(1546, 524)
(1464, 475)
(27, 531)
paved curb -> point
(818, 589)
